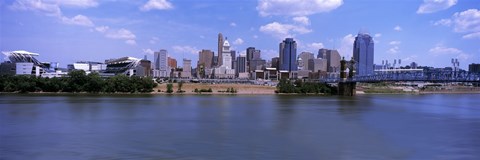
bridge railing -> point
(434, 77)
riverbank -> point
(394, 89)
(189, 88)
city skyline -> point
(427, 32)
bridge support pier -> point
(347, 88)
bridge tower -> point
(346, 87)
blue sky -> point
(429, 32)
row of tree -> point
(77, 81)
(298, 86)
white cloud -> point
(397, 28)
(157, 4)
(80, 20)
(411, 58)
(296, 7)
(238, 41)
(314, 47)
(394, 50)
(281, 31)
(131, 42)
(395, 43)
(440, 50)
(102, 29)
(472, 35)
(48, 9)
(255, 36)
(233, 24)
(75, 3)
(185, 49)
(346, 46)
(148, 51)
(431, 6)
(52, 8)
(467, 22)
(154, 40)
(120, 34)
(302, 20)
(443, 22)
(378, 35)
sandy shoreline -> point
(240, 88)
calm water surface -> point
(240, 127)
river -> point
(435, 126)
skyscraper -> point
(303, 58)
(363, 52)
(172, 62)
(250, 51)
(275, 61)
(233, 54)
(241, 64)
(205, 57)
(256, 55)
(161, 62)
(220, 49)
(288, 55)
(187, 68)
(226, 55)
(332, 57)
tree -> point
(180, 85)
(94, 83)
(169, 88)
(76, 81)
(53, 85)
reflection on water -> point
(239, 127)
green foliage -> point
(229, 90)
(180, 85)
(77, 81)
(169, 88)
(202, 90)
(94, 83)
(286, 86)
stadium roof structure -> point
(22, 56)
(121, 65)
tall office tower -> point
(241, 64)
(187, 68)
(205, 57)
(161, 62)
(303, 59)
(256, 55)
(233, 54)
(275, 61)
(288, 55)
(363, 52)
(172, 62)
(333, 59)
(220, 49)
(318, 64)
(215, 60)
(250, 51)
(226, 55)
